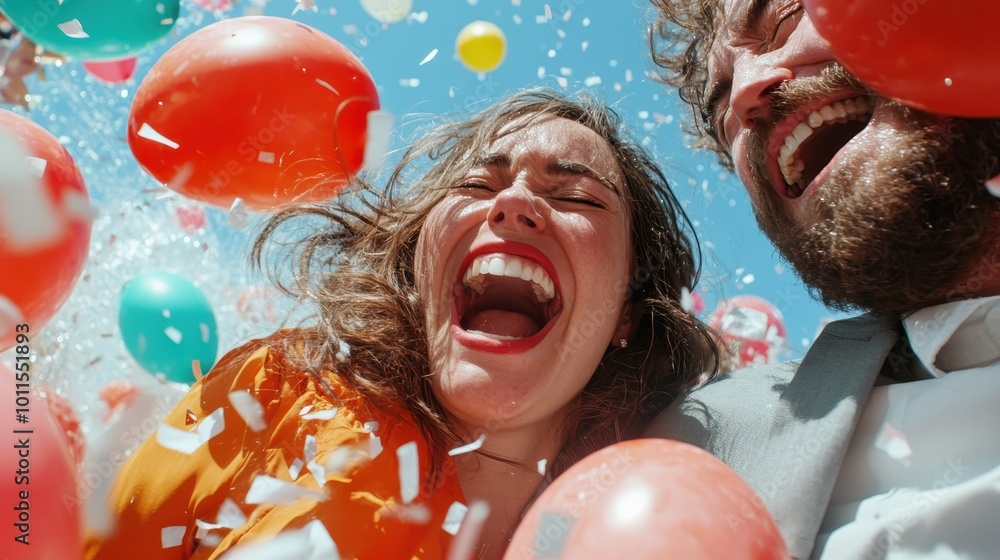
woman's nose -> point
(516, 209)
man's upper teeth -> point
(481, 268)
(839, 112)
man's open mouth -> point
(813, 142)
(506, 297)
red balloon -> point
(753, 326)
(650, 498)
(112, 71)
(930, 55)
(44, 226)
(38, 490)
(253, 108)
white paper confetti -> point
(27, 216)
(230, 515)
(173, 334)
(893, 441)
(592, 81)
(147, 132)
(249, 409)
(464, 545)
(265, 157)
(430, 56)
(327, 414)
(295, 469)
(172, 536)
(469, 447)
(542, 463)
(453, 519)
(304, 5)
(73, 29)
(36, 165)
(377, 145)
(409, 471)
(187, 442)
(238, 218)
(343, 457)
(687, 300)
(312, 542)
(269, 490)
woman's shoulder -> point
(277, 370)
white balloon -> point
(387, 11)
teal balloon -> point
(167, 323)
(114, 28)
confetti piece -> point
(749, 278)
(343, 458)
(377, 145)
(430, 56)
(265, 157)
(295, 469)
(592, 81)
(147, 132)
(304, 5)
(73, 29)
(172, 536)
(419, 17)
(464, 545)
(36, 165)
(230, 515)
(453, 519)
(993, 186)
(318, 472)
(269, 490)
(173, 334)
(238, 218)
(542, 463)
(312, 542)
(187, 442)
(327, 414)
(27, 216)
(687, 302)
(409, 471)
(204, 527)
(249, 409)
(469, 447)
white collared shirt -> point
(921, 478)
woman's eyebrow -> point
(567, 167)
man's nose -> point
(755, 78)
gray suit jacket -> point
(785, 427)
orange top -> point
(166, 500)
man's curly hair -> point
(680, 40)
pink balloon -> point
(648, 498)
(38, 487)
(111, 71)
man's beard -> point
(901, 231)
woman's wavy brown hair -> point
(680, 40)
(354, 262)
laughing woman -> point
(521, 295)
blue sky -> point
(598, 45)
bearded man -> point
(882, 441)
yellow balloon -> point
(481, 46)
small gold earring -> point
(623, 343)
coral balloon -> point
(45, 225)
(111, 71)
(167, 325)
(481, 46)
(753, 326)
(264, 109)
(649, 498)
(93, 29)
(388, 11)
(38, 489)
(929, 55)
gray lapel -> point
(813, 423)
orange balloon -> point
(254, 108)
(38, 489)
(650, 498)
(44, 226)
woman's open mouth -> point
(504, 302)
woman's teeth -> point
(477, 275)
(838, 112)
